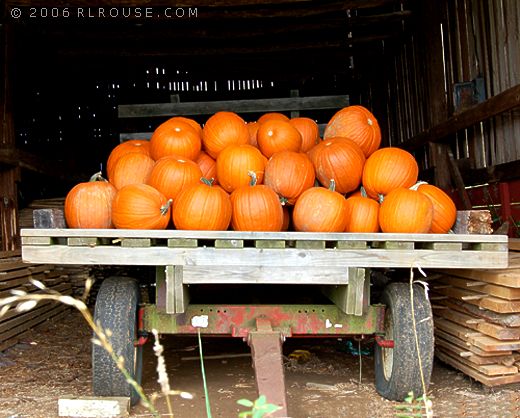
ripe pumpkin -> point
(140, 206)
(358, 124)
(89, 204)
(289, 174)
(202, 207)
(406, 211)
(175, 137)
(308, 130)
(170, 175)
(256, 208)
(272, 116)
(235, 162)
(278, 135)
(134, 145)
(444, 210)
(193, 123)
(208, 166)
(387, 169)
(131, 168)
(341, 160)
(252, 127)
(320, 210)
(362, 213)
(223, 129)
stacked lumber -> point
(477, 321)
(15, 275)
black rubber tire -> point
(397, 369)
(116, 309)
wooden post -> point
(9, 175)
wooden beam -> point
(13, 157)
(240, 106)
(493, 106)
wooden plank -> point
(485, 369)
(495, 105)
(82, 241)
(229, 243)
(349, 298)
(464, 345)
(351, 245)
(446, 246)
(506, 320)
(392, 245)
(501, 277)
(288, 257)
(182, 242)
(503, 292)
(481, 300)
(469, 356)
(270, 243)
(177, 297)
(239, 106)
(136, 242)
(514, 244)
(94, 407)
(265, 275)
(310, 245)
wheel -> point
(116, 309)
(397, 369)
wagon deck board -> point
(292, 249)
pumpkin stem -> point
(416, 185)
(253, 181)
(166, 207)
(283, 200)
(363, 192)
(332, 185)
(97, 177)
(207, 182)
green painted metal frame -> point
(290, 320)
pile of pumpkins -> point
(269, 175)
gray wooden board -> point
(288, 257)
(264, 275)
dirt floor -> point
(54, 362)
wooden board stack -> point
(477, 320)
(15, 275)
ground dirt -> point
(54, 362)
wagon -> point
(337, 265)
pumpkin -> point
(252, 127)
(89, 204)
(272, 116)
(134, 145)
(277, 135)
(308, 130)
(208, 166)
(203, 207)
(175, 137)
(256, 208)
(444, 209)
(341, 160)
(131, 168)
(361, 213)
(223, 129)
(235, 162)
(172, 174)
(320, 210)
(140, 206)
(193, 123)
(289, 174)
(358, 124)
(387, 169)
(406, 211)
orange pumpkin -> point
(308, 130)
(134, 145)
(272, 116)
(140, 206)
(235, 162)
(170, 175)
(208, 166)
(444, 210)
(387, 169)
(362, 213)
(277, 135)
(131, 168)
(223, 129)
(202, 207)
(256, 208)
(89, 204)
(358, 124)
(320, 210)
(289, 174)
(406, 211)
(341, 160)
(193, 123)
(175, 137)
(252, 127)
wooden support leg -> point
(266, 350)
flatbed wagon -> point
(337, 265)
